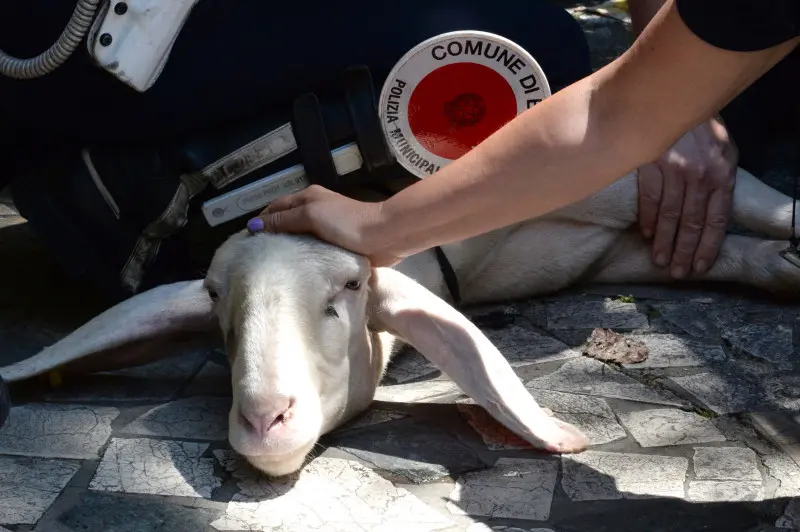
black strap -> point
(312, 142)
(450, 277)
(360, 98)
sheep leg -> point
(742, 260)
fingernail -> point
(678, 272)
(255, 225)
(647, 233)
(701, 265)
(661, 259)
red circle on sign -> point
(457, 106)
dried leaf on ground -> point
(610, 346)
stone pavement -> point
(699, 436)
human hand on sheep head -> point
(342, 221)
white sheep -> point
(309, 328)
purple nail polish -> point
(255, 225)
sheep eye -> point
(213, 294)
(331, 312)
(353, 285)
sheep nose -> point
(267, 416)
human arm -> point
(686, 195)
(564, 149)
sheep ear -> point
(125, 334)
(457, 347)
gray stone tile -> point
(522, 346)
(693, 319)
(670, 350)
(791, 516)
(419, 453)
(158, 381)
(724, 491)
(607, 314)
(591, 415)
(596, 475)
(587, 376)
(669, 426)
(771, 342)
(28, 486)
(330, 494)
(373, 417)
(213, 379)
(408, 365)
(92, 511)
(483, 527)
(515, 488)
(781, 429)
(200, 418)
(783, 392)
(726, 463)
(723, 394)
(156, 467)
(57, 431)
(786, 472)
(434, 391)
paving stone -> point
(771, 342)
(111, 512)
(6, 210)
(591, 415)
(670, 350)
(213, 379)
(661, 427)
(726, 463)
(781, 429)
(607, 314)
(791, 516)
(783, 469)
(156, 467)
(57, 431)
(373, 417)
(522, 346)
(597, 475)
(408, 365)
(591, 377)
(483, 527)
(692, 319)
(158, 381)
(330, 494)
(724, 491)
(783, 392)
(419, 453)
(722, 394)
(28, 486)
(200, 418)
(434, 391)
(515, 488)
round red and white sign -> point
(451, 92)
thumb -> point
(294, 220)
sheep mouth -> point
(283, 464)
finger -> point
(715, 227)
(285, 203)
(651, 183)
(669, 214)
(690, 228)
(295, 220)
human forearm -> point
(577, 141)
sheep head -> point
(307, 327)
